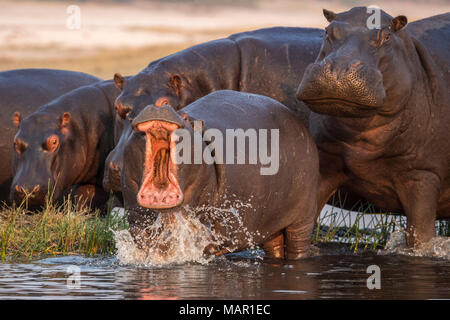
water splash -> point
(170, 239)
(189, 235)
(437, 247)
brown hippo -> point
(64, 144)
(22, 92)
(266, 61)
(381, 117)
(278, 204)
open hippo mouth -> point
(160, 188)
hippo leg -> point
(274, 247)
(298, 239)
(419, 200)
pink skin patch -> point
(160, 188)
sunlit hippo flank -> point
(256, 202)
(381, 117)
(22, 92)
(61, 148)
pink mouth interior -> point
(160, 188)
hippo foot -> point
(274, 247)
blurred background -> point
(104, 37)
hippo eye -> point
(52, 143)
(123, 111)
(383, 36)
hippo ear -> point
(329, 15)
(176, 83)
(17, 118)
(162, 101)
(119, 80)
(398, 23)
(64, 122)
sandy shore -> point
(34, 34)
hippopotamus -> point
(61, 148)
(381, 118)
(279, 206)
(22, 92)
(268, 61)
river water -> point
(335, 273)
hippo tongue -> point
(160, 188)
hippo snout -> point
(335, 88)
(111, 179)
(152, 113)
(34, 195)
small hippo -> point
(64, 145)
(268, 61)
(22, 91)
(381, 120)
(280, 204)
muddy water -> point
(335, 273)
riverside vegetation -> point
(69, 229)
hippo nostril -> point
(36, 188)
(114, 167)
(355, 64)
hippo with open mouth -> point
(381, 120)
(278, 197)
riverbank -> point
(124, 37)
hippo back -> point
(24, 91)
(273, 61)
(434, 34)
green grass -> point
(68, 229)
(57, 230)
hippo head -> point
(165, 182)
(160, 187)
(149, 87)
(360, 71)
(41, 164)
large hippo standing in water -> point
(278, 203)
(22, 92)
(382, 115)
(64, 144)
(267, 61)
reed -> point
(64, 229)
(363, 227)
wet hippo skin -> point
(62, 146)
(279, 208)
(380, 102)
(22, 92)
